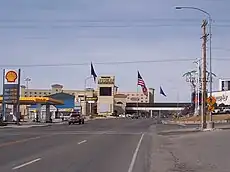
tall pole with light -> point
(27, 80)
(85, 94)
(210, 45)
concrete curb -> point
(25, 126)
(191, 122)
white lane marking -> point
(83, 141)
(183, 125)
(27, 163)
(135, 154)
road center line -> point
(135, 154)
(18, 141)
(27, 163)
(83, 141)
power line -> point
(187, 20)
(104, 26)
(107, 63)
(97, 63)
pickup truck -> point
(76, 118)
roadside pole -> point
(204, 70)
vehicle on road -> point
(135, 116)
(76, 118)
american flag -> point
(141, 82)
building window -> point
(105, 91)
(35, 92)
(56, 90)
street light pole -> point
(85, 94)
(27, 80)
(210, 48)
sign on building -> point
(106, 80)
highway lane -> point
(100, 145)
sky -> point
(56, 32)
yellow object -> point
(211, 100)
(35, 100)
(11, 76)
(211, 108)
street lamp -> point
(27, 80)
(210, 44)
(85, 94)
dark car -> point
(76, 118)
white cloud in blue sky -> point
(45, 32)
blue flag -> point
(162, 92)
(93, 73)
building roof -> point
(57, 86)
(61, 96)
(157, 104)
(120, 96)
(35, 100)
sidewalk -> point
(200, 152)
(217, 126)
(30, 124)
(27, 125)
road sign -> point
(11, 85)
(211, 108)
(211, 100)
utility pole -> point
(204, 70)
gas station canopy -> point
(36, 100)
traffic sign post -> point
(211, 101)
(11, 92)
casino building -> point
(105, 99)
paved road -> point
(115, 145)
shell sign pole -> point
(11, 91)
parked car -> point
(76, 118)
(135, 116)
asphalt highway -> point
(114, 145)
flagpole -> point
(137, 100)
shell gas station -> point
(11, 97)
(39, 101)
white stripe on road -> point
(27, 163)
(135, 154)
(83, 141)
(183, 125)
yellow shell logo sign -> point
(11, 76)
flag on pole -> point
(162, 92)
(93, 73)
(141, 82)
